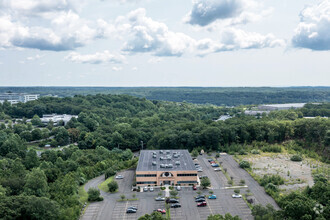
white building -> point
(15, 98)
(57, 118)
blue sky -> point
(164, 43)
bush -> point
(242, 182)
(113, 186)
(296, 157)
(254, 151)
(109, 172)
(274, 179)
(244, 164)
(174, 193)
(272, 148)
(94, 195)
(237, 191)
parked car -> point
(215, 165)
(132, 207)
(173, 201)
(199, 170)
(160, 199)
(194, 188)
(236, 196)
(119, 177)
(212, 162)
(178, 188)
(176, 205)
(217, 169)
(163, 211)
(200, 196)
(201, 204)
(131, 211)
(212, 197)
(200, 200)
(151, 189)
(201, 177)
(145, 189)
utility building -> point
(165, 167)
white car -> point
(119, 177)
(145, 189)
(199, 170)
(217, 169)
(236, 196)
(151, 189)
(178, 188)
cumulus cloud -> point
(206, 12)
(39, 7)
(147, 35)
(117, 69)
(236, 39)
(66, 31)
(313, 31)
(97, 58)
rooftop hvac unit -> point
(154, 163)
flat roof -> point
(165, 160)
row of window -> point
(146, 175)
(187, 174)
(147, 182)
(154, 175)
(183, 182)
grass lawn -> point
(83, 196)
(104, 185)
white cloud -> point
(155, 60)
(36, 57)
(97, 58)
(134, 68)
(67, 31)
(236, 39)
(147, 35)
(313, 31)
(43, 8)
(230, 12)
(117, 69)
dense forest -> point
(110, 127)
(221, 96)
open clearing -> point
(296, 174)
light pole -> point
(142, 145)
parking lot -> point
(110, 208)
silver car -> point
(151, 189)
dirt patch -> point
(296, 174)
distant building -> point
(255, 113)
(15, 98)
(166, 167)
(57, 118)
(223, 118)
(281, 106)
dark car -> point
(172, 201)
(201, 204)
(209, 160)
(131, 211)
(132, 207)
(200, 200)
(194, 188)
(200, 196)
(176, 205)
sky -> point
(215, 43)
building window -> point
(185, 182)
(146, 175)
(187, 174)
(150, 182)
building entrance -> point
(167, 182)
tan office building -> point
(165, 167)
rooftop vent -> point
(177, 162)
(154, 163)
(162, 166)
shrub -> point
(109, 172)
(94, 195)
(113, 186)
(296, 157)
(244, 164)
(230, 182)
(237, 191)
(274, 179)
(272, 148)
(254, 151)
(174, 193)
(242, 182)
(122, 196)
